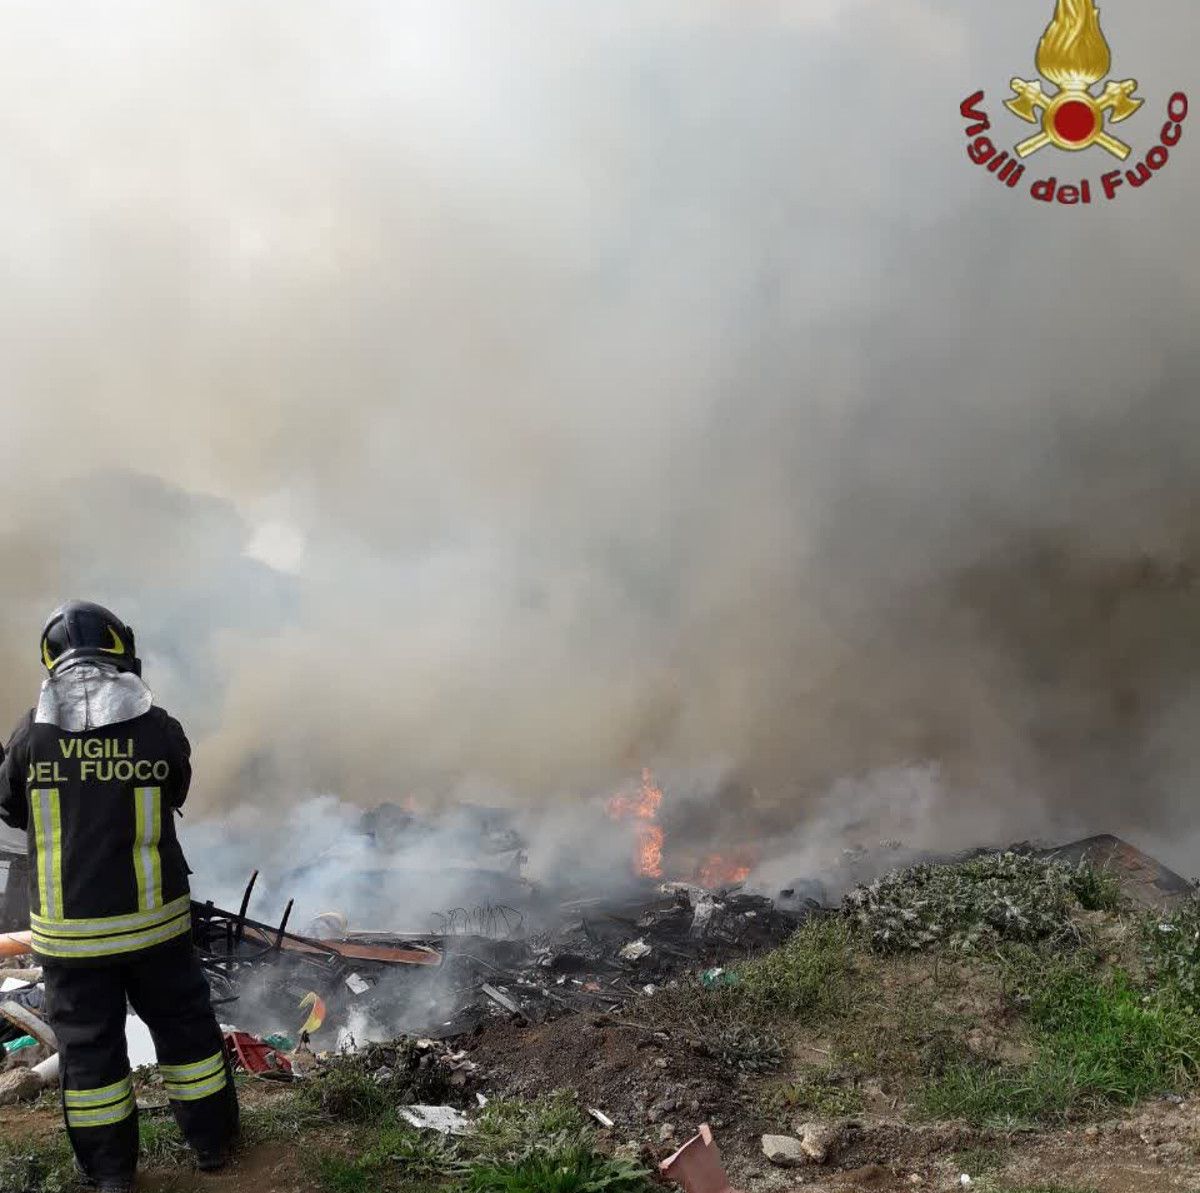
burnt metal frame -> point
(220, 938)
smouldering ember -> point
(643, 807)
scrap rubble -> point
(590, 954)
(288, 997)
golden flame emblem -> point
(1074, 55)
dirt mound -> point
(644, 1080)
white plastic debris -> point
(702, 915)
(48, 1070)
(965, 1181)
(501, 999)
(357, 984)
(635, 950)
(601, 1118)
(445, 1120)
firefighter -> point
(95, 774)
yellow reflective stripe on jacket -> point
(101, 1116)
(47, 837)
(110, 925)
(195, 1090)
(108, 946)
(98, 1097)
(194, 1071)
(147, 862)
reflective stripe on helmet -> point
(47, 840)
(147, 862)
(84, 630)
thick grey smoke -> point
(519, 393)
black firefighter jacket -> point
(107, 877)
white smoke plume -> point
(521, 393)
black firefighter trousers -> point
(167, 989)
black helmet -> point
(81, 630)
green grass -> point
(418, 1153)
(1097, 889)
(979, 1161)
(1100, 1042)
(540, 1146)
(281, 1118)
(743, 1023)
(336, 1174)
(972, 907)
(348, 1089)
(810, 976)
(569, 1170)
(814, 1092)
(345, 1091)
(1172, 945)
(284, 1117)
(44, 1166)
(506, 1126)
(391, 1158)
(162, 1145)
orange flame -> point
(643, 807)
(717, 871)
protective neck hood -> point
(91, 695)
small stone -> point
(666, 1132)
(660, 1062)
(783, 1150)
(914, 1178)
(820, 1141)
(1091, 1134)
(653, 1115)
(19, 1085)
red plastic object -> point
(251, 1055)
(697, 1165)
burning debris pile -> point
(663, 1004)
(595, 954)
(585, 936)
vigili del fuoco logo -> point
(1080, 112)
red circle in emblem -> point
(1075, 121)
